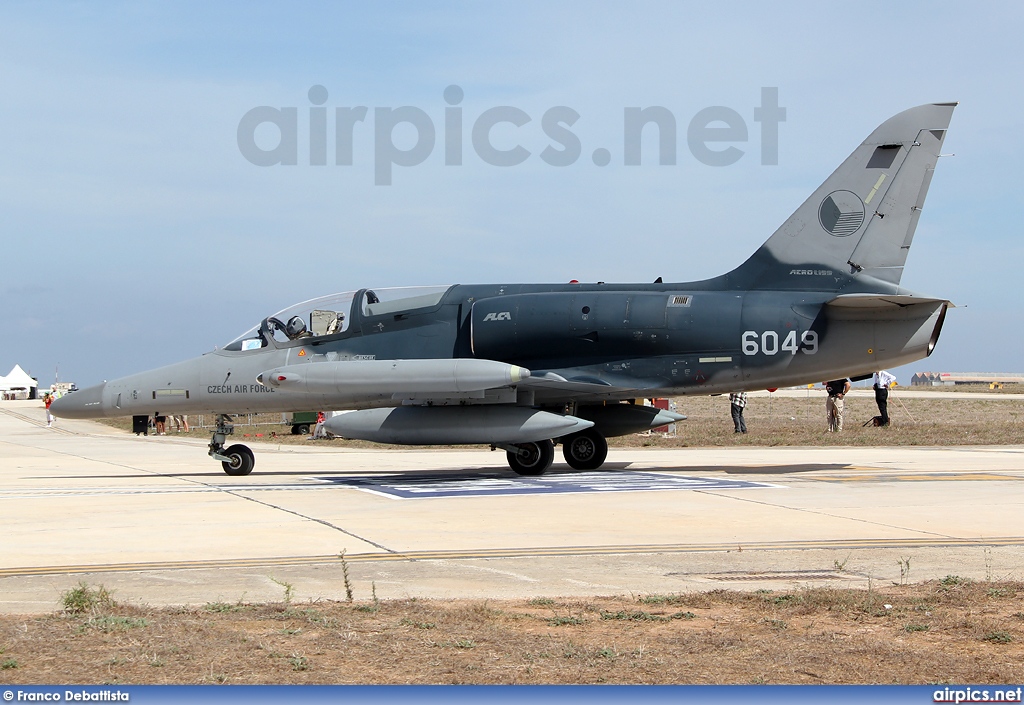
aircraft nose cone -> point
(83, 404)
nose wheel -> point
(236, 459)
(240, 460)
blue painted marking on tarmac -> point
(485, 484)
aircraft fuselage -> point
(658, 340)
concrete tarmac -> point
(158, 522)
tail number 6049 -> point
(768, 342)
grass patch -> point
(634, 616)
(110, 623)
(564, 621)
(222, 607)
(406, 622)
(954, 580)
(661, 599)
(82, 599)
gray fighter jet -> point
(517, 365)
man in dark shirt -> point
(837, 390)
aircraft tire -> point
(242, 460)
(539, 457)
(585, 450)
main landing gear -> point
(236, 459)
(585, 450)
(531, 458)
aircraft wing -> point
(547, 384)
(444, 379)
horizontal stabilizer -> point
(881, 301)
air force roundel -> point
(841, 213)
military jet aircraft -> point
(521, 366)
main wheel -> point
(242, 460)
(585, 450)
(532, 458)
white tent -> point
(18, 381)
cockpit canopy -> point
(331, 315)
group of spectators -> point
(159, 425)
(834, 405)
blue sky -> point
(136, 234)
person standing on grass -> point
(881, 381)
(737, 402)
(837, 390)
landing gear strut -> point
(236, 459)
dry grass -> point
(796, 421)
(781, 421)
(938, 632)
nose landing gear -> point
(236, 459)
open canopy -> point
(331, 315)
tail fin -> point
(855, 230)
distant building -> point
(62, 388)
(949, 379)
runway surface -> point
(155, 520)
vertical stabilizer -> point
(855, 230)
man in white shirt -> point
(881, 381)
